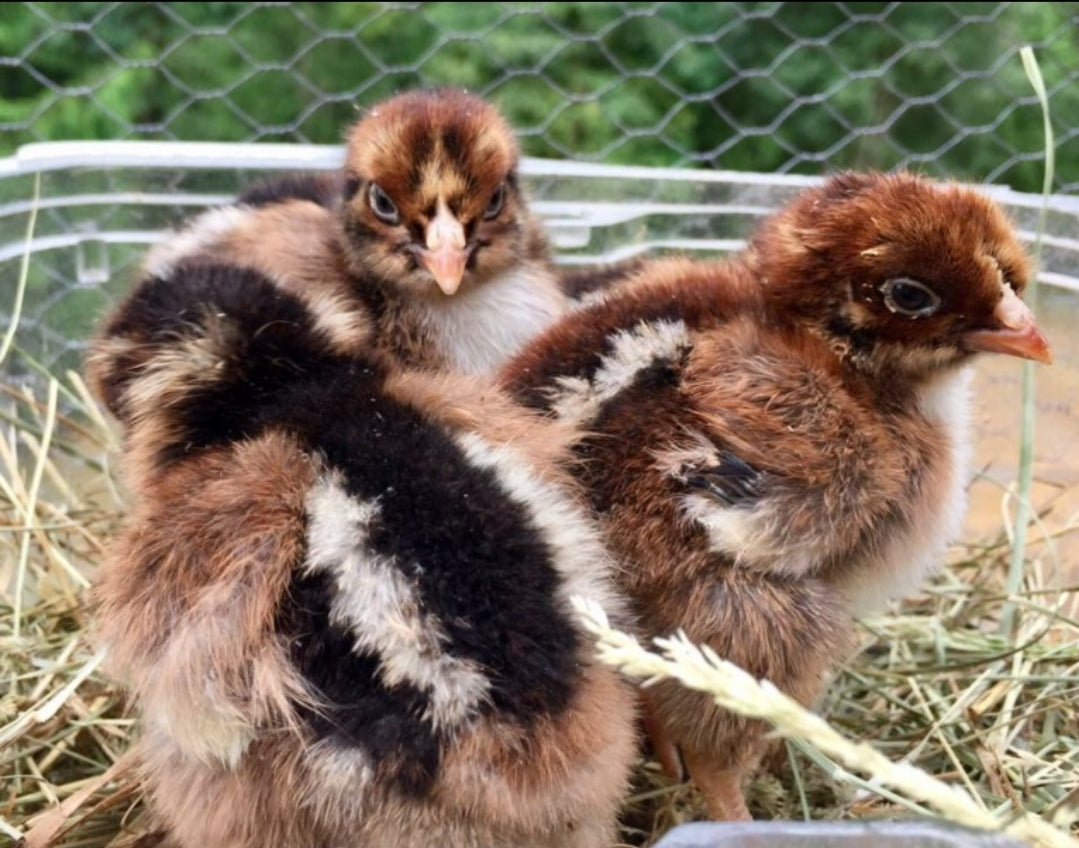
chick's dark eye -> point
(384, 208)
(495, 206)
(905, 296)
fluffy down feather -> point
(340, 602)
(776, 442)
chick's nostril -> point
(1011, 312)
(1015, 332)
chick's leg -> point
(664, 747)
(785, 631)
(721, 786)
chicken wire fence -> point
(647, 126)
(768, 87)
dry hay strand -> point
(62, 725)
(935, 688)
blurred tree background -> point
(774, 87)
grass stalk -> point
(24, 273)
(1026, 440)
(700, 669)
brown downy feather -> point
(775, 443)
(341, 600)
(422, 246)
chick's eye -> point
(905, 296)
(495, 206)
(384, 208)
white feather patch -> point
(480, 328)
(341, 771)
(752, 537)
(377, 604)
(204, 231)
(173, 373)
(579, 556)
(578, 400)
(345, 323)
(201, 720)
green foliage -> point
(743, 86)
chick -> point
(776, 443)
(341, 601)
(424, 236)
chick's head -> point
(900, 274)
(431, 199)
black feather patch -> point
(456, 147)
(860, 340)
(423, 145)
(360, 711)
(473, 556)
(480, 565)
(476, 561)
(251, 326)
(731, 480)
(265, 341)
(350, 188)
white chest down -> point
(904, 562)
(478, 329)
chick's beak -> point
(1017, 334)
(445, 255)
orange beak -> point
(1018, 335)
(445, 255)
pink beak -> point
(1018, 335)
(445, 255)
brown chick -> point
(776, 443)
(422, 244)
(341, 603)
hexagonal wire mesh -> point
(770, 88)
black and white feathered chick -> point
(341, 600)
(777, 442)
(423, 243)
